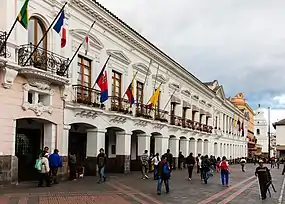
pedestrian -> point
(224, 169)
(55, 162)
(198, 161)
(190, 161)
(218, 164)
(169, 158)
(44, 172)
(72, 166)
(264, 178)
(206, 169)
(163, 175)
(242, 163)
(101, 163)
(180, 160)
(155, 160)
(145, 164)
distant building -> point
(240, 101)
(260, 129)
(280, 139)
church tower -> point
(260, 129)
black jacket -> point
(190, 161)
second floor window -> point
(116, 84)
(84, 72)
(36, 30)
(258, 132)
(139, 97)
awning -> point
(186, 105)
(175, 99)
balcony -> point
(87, 96)
(187, 123)
(120, 105)
(3, 44)
(143, 111)
(42, 62)
(161, 115)
(176, 120)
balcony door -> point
(84, 78)
(116, 89)
(139, 97)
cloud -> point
(240, 43)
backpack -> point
(166, 170)
(101, 161)
(38, 164)
(224, 166)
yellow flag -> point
(235, 122)
(154, 98)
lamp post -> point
(269, 133)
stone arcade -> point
(41, 107)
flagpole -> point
(78, 49)
(8, 35)
(155, 78)
(131, 82)
(168, 101)
(101, 72)
(45, 34)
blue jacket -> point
(55, 161)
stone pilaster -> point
(123, 152)
(8, 169)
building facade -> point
(240, 101)
(260, 126)
(279, 136)
(49, 101)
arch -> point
(39, 119)
(138, 132)
(205, 140)
(87, 125)
(116, 129)
(183, 138)
(155, 134)
(172, 137)
(192, 139)
(81, 33)
(37, 27)
(199, 140)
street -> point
(130, 189)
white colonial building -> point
(41, 106)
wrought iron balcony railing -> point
(87, 96)
(143, 111)
(43, 59)
(175, 120)
(187, 123)
(3, 44)
(120, 105)
(161, 115)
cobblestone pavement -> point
(130, 189)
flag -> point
(60, 29)
(86, 44)
(234, 122)
(154, 98)
(23, 16)
(130, 92)
(103, 85)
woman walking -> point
(224, 168)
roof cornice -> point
(115, 25)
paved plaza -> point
(130, 189)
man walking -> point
(169, 159)
(163, 175)
(101, 163)
(264, 178)
(145, 164)
(242, 163)
(190, 161)
(198, 161)
(55, 162)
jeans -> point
(54, 175)
(155, 172)
(159, 184)
(144, 171)
(190, 170)
(101, 171)
(225, 175)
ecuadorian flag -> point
(130, 93)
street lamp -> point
(269, 133)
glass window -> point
(36, 30)
(140, 87)
(84, 75)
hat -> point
(260, 161)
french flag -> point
(60, 29)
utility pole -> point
(269, 133)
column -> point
(161, 144)
(200, 147)
(143, 143)
(174, 149)
(64, 140)
(184, 146)
(123, 151)
(50, 136)
(95, 141)
(206, 148)
(193, 147)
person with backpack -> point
(155, 160)
(101, 163)
(206, 169)
(163, 173)
(42, 165)
(224, 169)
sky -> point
(240, 43)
